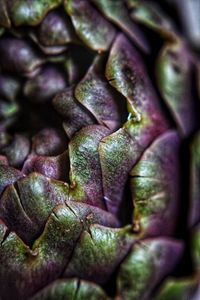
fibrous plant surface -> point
(99, 152)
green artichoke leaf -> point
(85, 168)
(26, 204)
(98, 252)
(151, 16)
(74, 115)
(71, 289)
(59, 290)
(174, 78)
(194, 215)
(178, 289)
(91, 291)
(195, 247)
(117, 156)
(26, 270)
(155, 186)
(147, 264)
(117, 13)
(91, 27)
(95, 93)
(29, 12)
(23, 270)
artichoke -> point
(99, 152)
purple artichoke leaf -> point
(55, 167)
(56, 30)
(8, 175)
(155, 187)
(48, 50)
(19, 57)
(4, 160)
(184, 287)
(99, 151)
(74, 115)
(17, 150)
(98, 97)
(126, 72)
(45, 84)
(49, 142)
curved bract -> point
(99, 152)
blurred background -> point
(187, 15)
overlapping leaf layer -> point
(99, 191)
